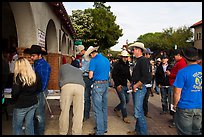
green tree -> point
(82, 23)
(96, 26)
(166, 40)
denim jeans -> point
(188, 121)
(87, 97)
(124, 99)
(39, 118)
(165, 98)
(21, 114)
(100, 106)
(146, 98)
(141, 123)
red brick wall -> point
(54, 59)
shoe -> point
(117, 112)
(157, 93)
(163, 113)
(148, 116)
(104, 131)
(132, 133)
(173, 125)
(92, 134)
(126, 120)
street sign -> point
(78, 42)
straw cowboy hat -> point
(89, 51)
(35, 49)
(158, 60)
(137, 45)
(79, 48)
(124, 53)
(190, 53)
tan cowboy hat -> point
(137, 45)
(88, 51)
(124, 53)
(79, 48)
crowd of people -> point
(85, 84)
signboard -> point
(78, 42)
(41, 38)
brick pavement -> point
(157, 125)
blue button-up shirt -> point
(85, 67)
(43, 69)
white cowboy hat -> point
(137, 45)
(158, 60)
(124, 53)
(79, 48)
(88, 51)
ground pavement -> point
(157, 125)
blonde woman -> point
(26, 85)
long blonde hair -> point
(25, 71)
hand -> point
(119, 88)
(168, 72)
(174, 107)
(134, 88)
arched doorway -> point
(9, 33)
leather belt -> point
(101, 81)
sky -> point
(139, 18)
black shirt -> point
(25, 96)
(121, 73)
(141, 71)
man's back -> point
(70, 74)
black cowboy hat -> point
(35, 49)
(190, 53)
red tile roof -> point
(196, 24)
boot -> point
(126, 120)
(117, 112)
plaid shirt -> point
(43, 69)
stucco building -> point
(44, 23)
(197, 34)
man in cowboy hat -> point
(87, 93)
(43, 69)
(99, 70)
(179, 64)
(120, 75)
(140, 77)
(187, 101)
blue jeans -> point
(124, 99)
(100, 107)
(19, 114)
(165, 98)
(39, 118)
(141, 123)
(87, 97)
(188, 121)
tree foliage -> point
(166, 40)
(96, 26)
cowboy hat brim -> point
(137, 45)
(89, 50)
(35, 49)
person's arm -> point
(176, 96)
(90, 74)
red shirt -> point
(178, 65)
